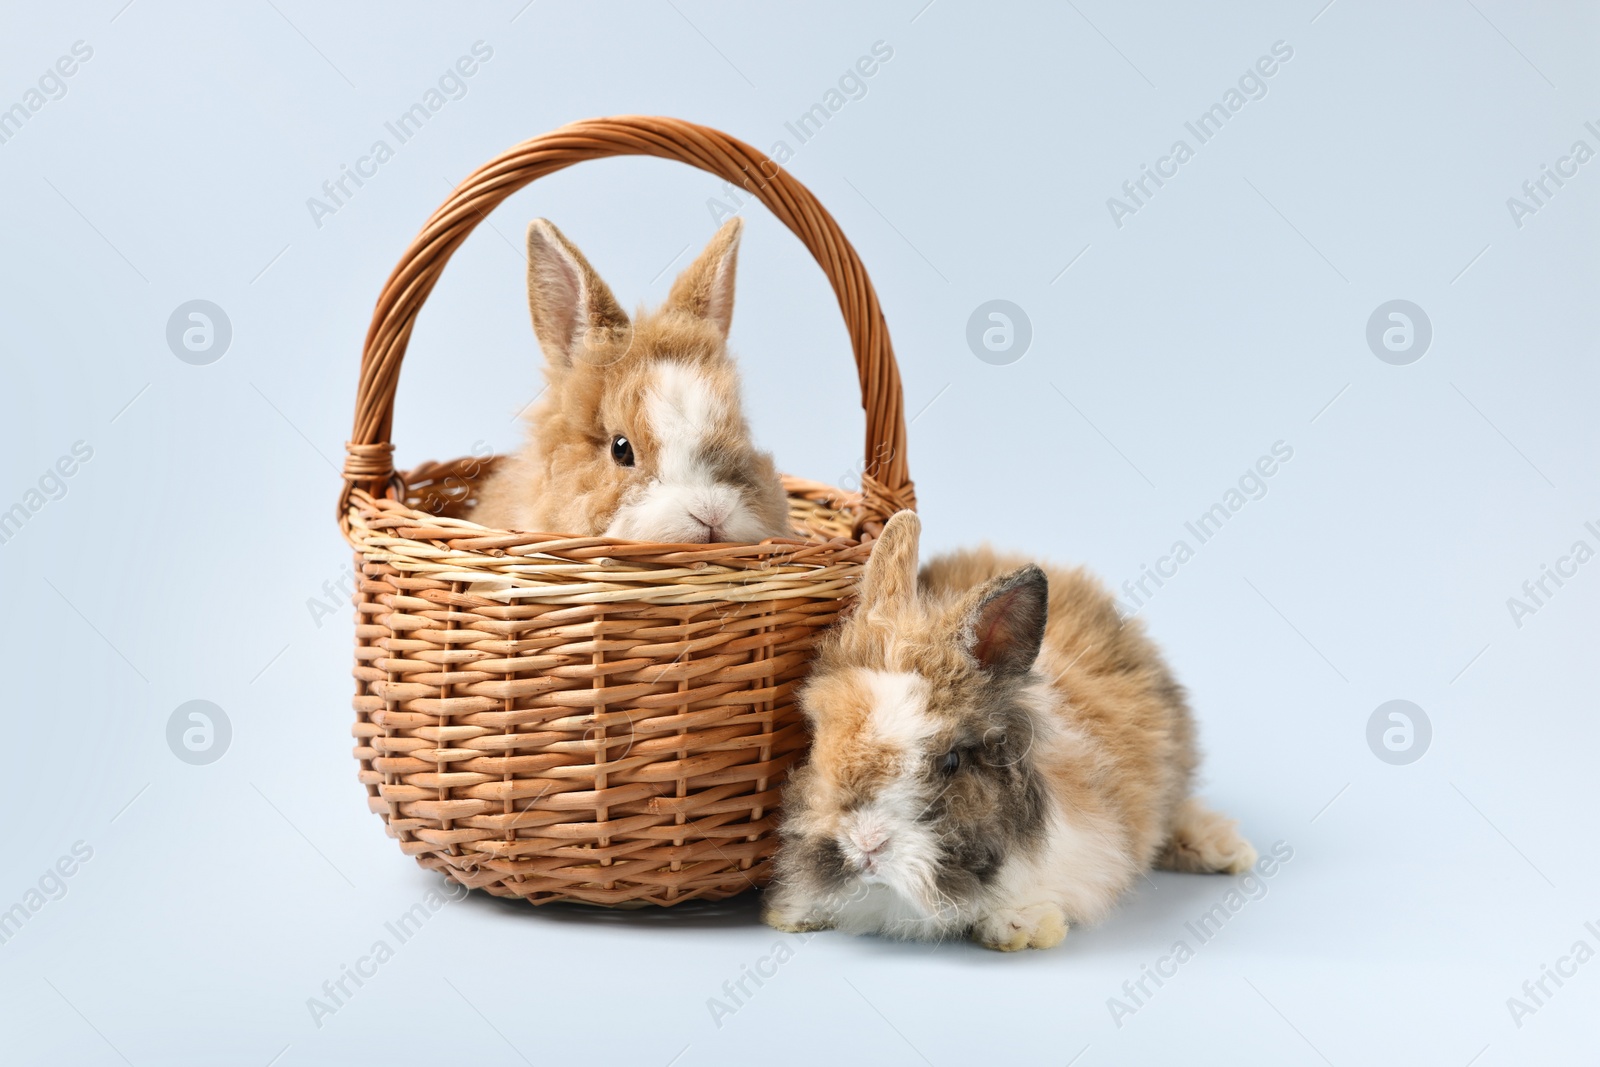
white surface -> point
(1222, 317)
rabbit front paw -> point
(794, 925)
(781, 912)
(1013, 929)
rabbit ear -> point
(705, 288)
(569, 302)
(891, 572)
(1004, 626)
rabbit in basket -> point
(997, 755)
(640, 434)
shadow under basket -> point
(578, 718)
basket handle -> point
(369, 461)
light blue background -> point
(1228, 314)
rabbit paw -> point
(1012, 929)
(1204, 842)
(793, 920)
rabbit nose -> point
(710, 512)
(711, 515)
(869, 841)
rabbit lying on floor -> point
(997, 754)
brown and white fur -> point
(996, 755)
(663, 385)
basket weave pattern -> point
(563, 718)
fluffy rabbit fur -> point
(997, 754)
(640, 434)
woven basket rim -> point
(494, 539)
(511, 567)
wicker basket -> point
(578, 718)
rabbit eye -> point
(622, 451)
(951, 761)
